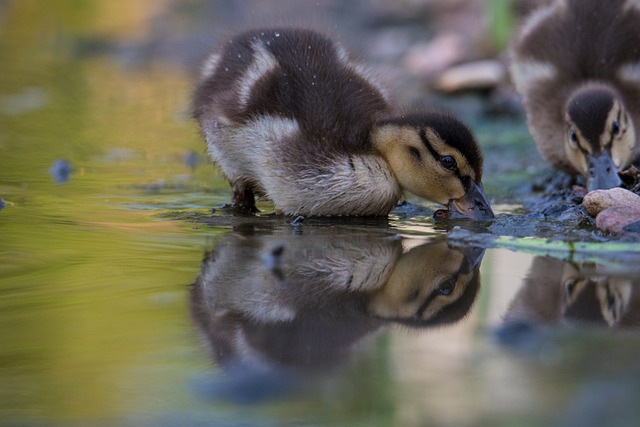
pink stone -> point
(613, 220)
(599, 200)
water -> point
(124, 301)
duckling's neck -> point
(374, 181)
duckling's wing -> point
(295, 74)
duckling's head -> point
(430, 284)
(599, 137)
(433, 155)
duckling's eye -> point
(573, 138)
(615, 128)
(449, 163)
(446, 287)
(569, 287)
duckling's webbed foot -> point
(242, 197)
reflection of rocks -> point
(616, 210)
(267, 301)
(556, 291)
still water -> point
(125, 301)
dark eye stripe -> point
(434, 153)
(436, 293)
(425, 141)
(581, 148)
(612, 134)
(619, 125)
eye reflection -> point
(447, 287)
(573, 138)
(615, 128)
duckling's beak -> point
(474, 204)
(602, 173)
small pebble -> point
(599, 200)
(634, 227)
(441, 215)
(578, 191)
(616, 219)
(61, 171)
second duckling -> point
(576, 64)
(287, 115)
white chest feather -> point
(343, 185)
(270, 155)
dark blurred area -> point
(448, 46)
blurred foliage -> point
(501, 19)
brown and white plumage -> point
(556, 291)
(576, 64)
(287, 115)
(325, 292)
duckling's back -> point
(287, 115)
(567, 44)
(296, 74)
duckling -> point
(556, 291)
(576, 64)
(288, 116)
(333, 289)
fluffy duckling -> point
(576, 64)
(288, 116)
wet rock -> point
(631, 179)
(579, 191)
(599, 200)
(634, 227)
(441, 215)
(575, 215)
(618, 220)
(480, 75)
(555, 211)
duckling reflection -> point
(557, 291)
(304, 301)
